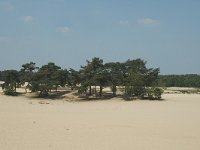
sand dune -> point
(26, 124)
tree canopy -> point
(133, 76)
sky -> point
(165, 33)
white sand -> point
(173, 124)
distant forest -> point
(188, 80)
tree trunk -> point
(27, 87)
(90, 90)
(100, 92)
(114, 89)
(15, 87)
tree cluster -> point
(132, 76)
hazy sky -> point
(165, 33)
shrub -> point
(157, 92)
(9, 91)
(133, 91)
(128, 93)
(145, 93)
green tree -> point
(138, 78)
(101, 78)
(89, 74)
(115, 77)
(11, 78)
(46, 79)
(134, 78)
(151, 77)
(73, 78)
(26, 73)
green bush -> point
(149, 93)
(128, 93)
(9, 91)
(133, 91)
(157, 92)
(145, 93)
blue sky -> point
(165, 33)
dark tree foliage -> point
(1, 78)
(11, 79)
(133, 76)
(73, 78)
(27, 73)
(115, 75)
(101, 79)
(138, 78)
(47, 78)
(63, 77)
(189, 80)
(92, 75)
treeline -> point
(189, 80)
(133, 76)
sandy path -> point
(173, 124)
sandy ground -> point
(172, 124)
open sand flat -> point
(173, 124)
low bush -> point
(9, 91)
